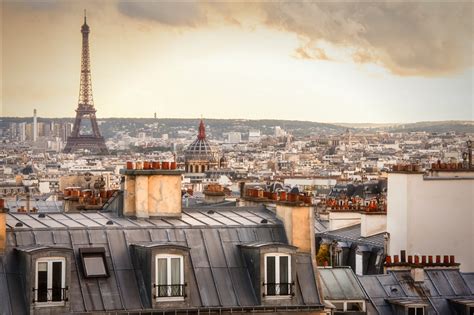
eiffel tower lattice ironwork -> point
(93, 142)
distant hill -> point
(436, 126)
(218, 127)
(427, 126)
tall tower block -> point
(35, 126)
(85, 110)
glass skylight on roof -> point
(94, 262)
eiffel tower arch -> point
(93, 142)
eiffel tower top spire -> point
(85, 90)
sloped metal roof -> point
(340, 284)
(352, 234)
(42, 205)
(437, 289)
(221, 278)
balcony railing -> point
(172, 290)
(50, 295)
(278, 289)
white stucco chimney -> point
(372, 223)
(152, 192)
(298, 221)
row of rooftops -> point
(214, 252)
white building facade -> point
(432, 214)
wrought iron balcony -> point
(278, 289)
(50, 295)
(172, 290)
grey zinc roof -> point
(220, 279)
(352, 234)
(42, 205)
(321, 226)
(340, 284)
(440, 285)
(469, 278)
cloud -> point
(28, 5)
(311, 52)
(189, 14)
(407, 38)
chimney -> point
(372, 223)
(152, 192)
(214, 193)
(417, 274)
(3, 227)
(298, 220)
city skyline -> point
(235, 61)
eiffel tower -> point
(93, 142)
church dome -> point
(200, 149)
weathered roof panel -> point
(43, 237)
(469, 279)
(224, 287)
(206, 286)
(305, 274)
(198, 251)
(214, 248)
(243, 287)
(440, 281)
(110, 293)
(340, 284)
(118, 249)
(128, 285)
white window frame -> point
(277, 273)
(50, 261)
(168, 275)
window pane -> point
(94, 266)
(271, 275)
(42, 282)
(284, 278)
(176, 277)
(162, 271)
(354, 306)
(175, 271)
(162, 277)
(411, 311)
(57, 281)
(419, 311)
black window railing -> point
(44, 295)
(172, 290)
(278, 289)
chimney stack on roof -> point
(415, 261)
(152, 189)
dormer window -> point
(419, 310)
(277, 275)
(50, 281)
(169, 278)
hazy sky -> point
(319, 61)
